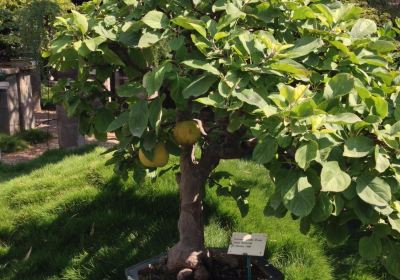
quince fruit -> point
(186, 132)
(160, 158)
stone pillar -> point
(9, 104)
(27, 118)
(68, 132)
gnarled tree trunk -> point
(188, 254)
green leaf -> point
(155, 113)
(292, 67)
(304, 46)
(199, 64)
(370, 247)
(80, 21)
(130, 2)
(343, 118)
(111, 57)
(391, 258)
(394, 222)
(327, 17)
(340, 85)
(148, 39)
(265, 150)
(103, 119)
(251, 97)
(306, 153)
(382, 46)
(373, 190)
(381, 162)
(336, 233)
(381, 106)
(304, 12)
(232, 14)
(191, 24)
(119, 121)
(138, 118)
(152, 81)
(358, 146)
(298, 194)
(155, 19)
(333, 178)
(130, 90)
(199, 86)
(92, 44)
(323, 208)
(363, 28)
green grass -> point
(66, 216)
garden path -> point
(47, 121)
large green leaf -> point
(155, 19)
(249, 96)
(130, 90)
(373, 190)
(119, 121)
(306, 153)
(304, 46)
(138, 118)
(333, 178)
(370, 247)
(103, 119)
(323, 208)
(292, 67)
(80, 21)
(340, 85)
(358, 146)
(199, 64)
(391, 257)
(191, 24)
(148, 39)
(153, 80)
(381, 162)
(298, 194)
(265, 150)
(199, 86)
(363, 28)
(394, 221)
(382, 46)
(343, 118)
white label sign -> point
(247, 244)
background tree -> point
(305, 88)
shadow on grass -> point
(98, 239)
(8, 172)
(95, 240)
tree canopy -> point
(306, 88)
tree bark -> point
(190, 252)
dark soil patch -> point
(220, 267)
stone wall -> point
(9, 104)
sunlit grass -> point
(66, 216)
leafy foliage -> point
(312, 82)
(25, 25)
(9, 144)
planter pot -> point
(266, 269)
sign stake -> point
(248, 264)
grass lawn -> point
(66, 216)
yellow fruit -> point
(160, 157)
(186, 132)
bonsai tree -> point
(305, 88)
